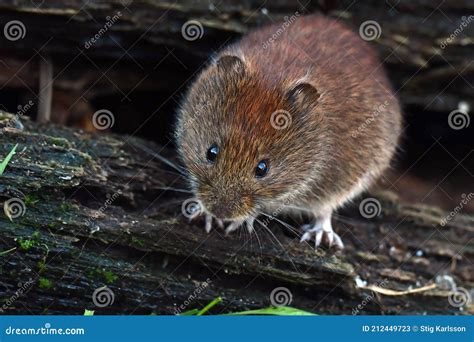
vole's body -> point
(345, 123)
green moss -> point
(41, 265)
(26, 244)
(60, 142)
(137, 241)
(53, 225)
(31, 199)
(65, 207)
(91, 274)
(30, 242)
(108, 276)
(45, 283)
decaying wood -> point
(97, 214)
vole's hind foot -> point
(319, 230)
(208, 224)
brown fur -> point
(318, 162)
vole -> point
(290, 117)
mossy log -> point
(103, 210)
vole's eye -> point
(262, 168)
(212, 153)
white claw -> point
(318, 238)
(330, 236)
(306, 236)
(338, 242)
(208, 225)
(320, 229)
(233, 226)
(220, 223)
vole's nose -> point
(225, 202)
(222, 209)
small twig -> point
(7, 251)
(389, 292)
(45, 90)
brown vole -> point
(291, 117)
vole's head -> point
(245, 142)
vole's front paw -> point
(208, 224)
(321, 229)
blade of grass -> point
(5, 162)
(275, 311)
(189, 312)
(209, 306)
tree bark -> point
(96, 213)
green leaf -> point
(5, 162)
(272, 310)
(278, 311)
(189, 312)
(88, 312)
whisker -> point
(298, 208)
(159, 157)
(256, 235)
(174, 189)
(344, 219)
(291, 228)
(281, 245)
(273, 235)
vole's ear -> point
(231, 64)
(303, 97)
